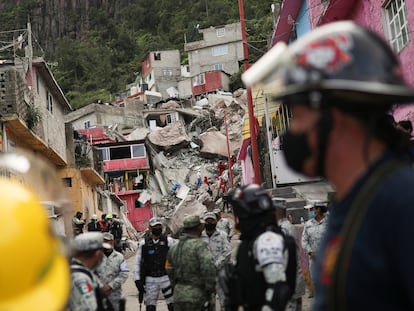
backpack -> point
(103, 302)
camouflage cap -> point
(155, 221)
(210, 215)
(89, 241)
(191, 221)
(108, 236)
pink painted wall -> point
(369, 13)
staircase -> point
(294, 204)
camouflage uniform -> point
(113, 270)
(295, 303)
(82, 295)
(311, 238)
(221, 249)
(225, 225)
(191, 270)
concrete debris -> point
(177, 161)
(169, 138)
(213, 143)
(170, 104)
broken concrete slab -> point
(170, 138)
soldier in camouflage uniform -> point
(224, 224)
(220, 248)
(295, 303)
(85, 286)
(312, 234)
(113, 272)
(191, 268)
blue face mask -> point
(311, 214)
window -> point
(49, 102)
(122, 152)
(167, 72)
(37, 85)
(87, 124)
(396, 21)
(218, 67)
(171, 118)
(67, 182)
(220, 50)
(220, 32)
(157, 56)
(138, 151)
(199, 80)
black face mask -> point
(210, 227)
(296, 150)
(156, 231)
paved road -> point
(131, 294)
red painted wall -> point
(137, 216)
(125, 164)
(213, 82)
(369, 13)
(146, 65)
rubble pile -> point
(178, 161)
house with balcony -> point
(392, 19)
(126, 170)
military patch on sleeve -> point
(84, 287)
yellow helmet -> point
(34, 271)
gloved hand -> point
(140, 285)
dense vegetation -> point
(99, 65)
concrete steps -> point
(294, 204)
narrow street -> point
(131, 294)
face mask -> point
(156, 231)
(311, 214)
(210, 227)
(296, 150)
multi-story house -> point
(126, 170)
(33, 107)
(161, 70)
(215, 57)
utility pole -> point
(253, 138)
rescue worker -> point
(113, 272)
(86, 293)
(191, 268)
(33, 262)
(219, 246)
(339, 82)
(266, 278)
(224, 224)
(78, 223)
(93, 225)
(103, 223)
(312, 235)
(150, 274)
(295, 303)
(115, 227)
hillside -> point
(97, 45)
